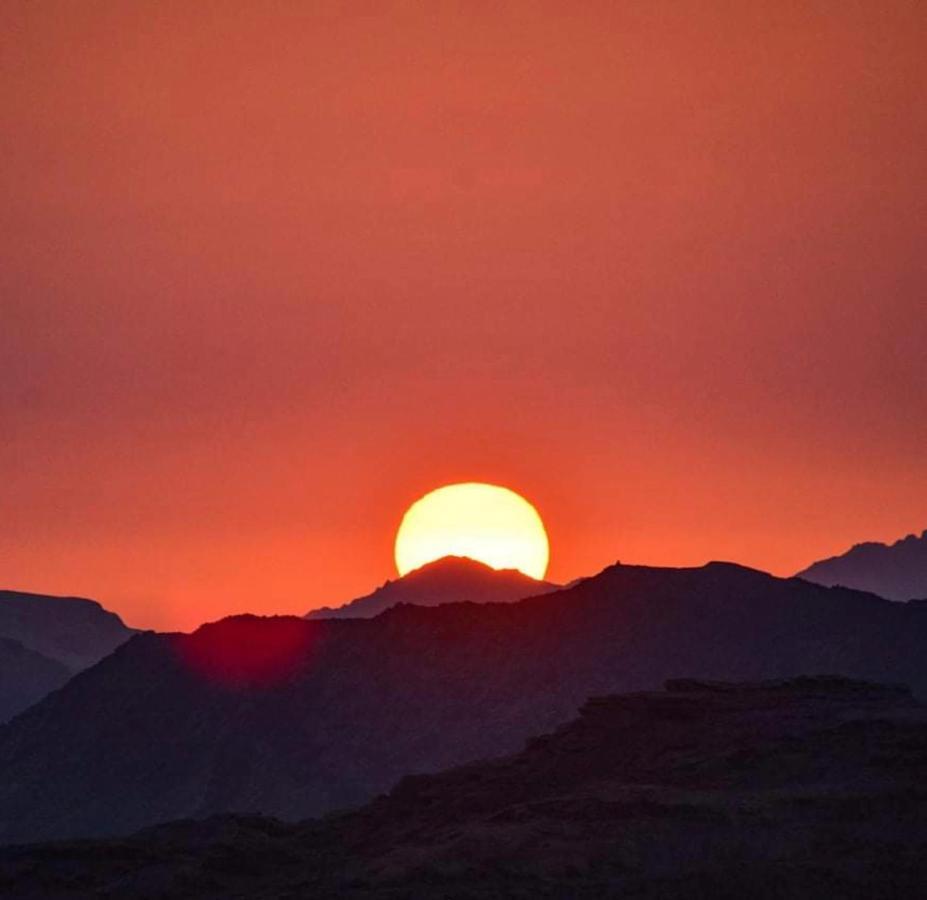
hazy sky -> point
(272, 270)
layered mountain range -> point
(295, 718)
(778, 791)
(453, 579)
(897, 571)
(45, 640)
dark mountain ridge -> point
(73, 630)
(453, 579)
(897, 571)
(783, 790)
(294, 718)
(44, 640)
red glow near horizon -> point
(249, 651)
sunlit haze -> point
(273, 271)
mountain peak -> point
(452, 563)
(451, 579)
(897, 571)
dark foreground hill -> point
(295, 718)
(810, 788)
(45, 640)
(453, 579)
(897, 571)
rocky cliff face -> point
(897, 571)
(811, 787)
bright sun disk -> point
(485, 522)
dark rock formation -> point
(897, 571)
(782, 790)
(295, 718)
(453, 579)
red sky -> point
(273, 270)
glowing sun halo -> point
(490, 524)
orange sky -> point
(272, 270)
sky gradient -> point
(272, 271)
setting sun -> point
(485, 522)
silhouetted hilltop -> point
(73, 630)
(47, 640)
(453, 579)
(295, 718)
(897, 571)
(784, 790)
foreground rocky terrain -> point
(294, 719)
(812, 787)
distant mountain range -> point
(778, 791)
(453, 579)
(45, 640)
(294, 718)
(897, 571)
(26, 677)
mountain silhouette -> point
(785, 790)
(452, 579)
(45, 640)
(26, 677)
(294, 718)
(897, 571)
